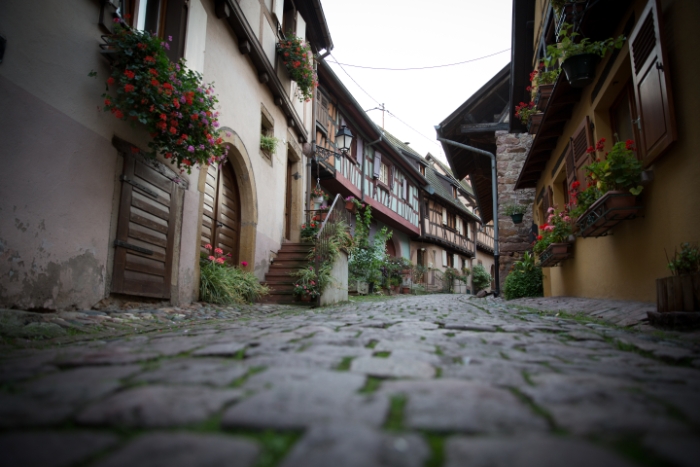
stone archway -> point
(239, 160)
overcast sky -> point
(412, 33)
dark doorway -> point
(221, 219)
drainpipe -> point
(494, 194)
(364, 161)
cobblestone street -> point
(437, 380)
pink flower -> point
(244, 263)
(219, 251)
(211, 258)
(208, 246)
(220, 260)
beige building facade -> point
(66, 179)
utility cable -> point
(422, 67)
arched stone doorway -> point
(240, 171)
(221, 216)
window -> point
(267, 130)
(384, 174)
(165, 19)
(622, 115)
(422, 170)
(451, 221)
(454, 192)
(450, 260)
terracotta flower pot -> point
(405, 290)
(544, 91)
(555, 253)
(533, 123)
(350, 206)
(608, 211)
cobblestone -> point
(398, 382)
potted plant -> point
(680, 291)
(394, 283)
(614, 183)
(579, 57)
(542, 82)
(529, 115)
(554, 243)
(298, 59)
(268, 143)
(309, 231)
(515, 211)
(322, 212)
(352, 203)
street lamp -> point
(343, 139)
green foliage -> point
(569, 46)
(584, 199)
(557, 229)
(367, 258)
(297, 58)
(480, 278)
(449, 276)
(511, 209)
(685, 262)
(170, 100)
(524, 110)
(226, 285)
(268, 143)
(620, 170)
(525, 279)
(309, 231)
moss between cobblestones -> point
(372, 344)
(542, 412)
(345, 363)
(274, 445)
(252, 371)
(528, 378)
(438, 372)
(632, 448)
(438, 351)
(394, 420)
(383, 354)
(436, 443)
(371, 385)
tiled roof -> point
(401, 145)
(443, 189)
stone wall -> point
(514, 238)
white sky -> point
(413, 33)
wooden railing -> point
(484, 238)
(447, 236)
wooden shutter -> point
(143, 255)
(221, 212)
(455, 261)
(652, 85)
(550, 196)
(571, 167)
(377, 164)
(444, 258)
(175, 27)
(581, 140)
(392, 175)
(545, 205)
(358, 147)
(405, 190)
(444, 216)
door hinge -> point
(146, 190)
(129, 246)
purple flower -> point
(216, 124)
(190, 148)
(177, 67)
(201, 147)
(166, 45)
(183, 100)
(205, 121)
(170, 38)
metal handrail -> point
(336, 213)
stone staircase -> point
(290, 258)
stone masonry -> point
(511, 152)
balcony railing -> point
(447, 237)
(484, 238)
(340, 164)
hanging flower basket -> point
(580, 69)
(178, 110)
(517, 218)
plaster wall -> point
(626, 264)
(337, 291)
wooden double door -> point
(221, 218)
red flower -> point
(576, 184)
(600, 145)
(118, 113)
(173, 130)
(244, 263)
(149, 59)
(153, 71)
(110, 81)
(187, 162)
(155, 82)
(134, 149)
(590, 150)
(168, 155)
(194, 116)
(129, 74)
(129, 88)
(539, 237)
(629, 144)
(107, 102)
(141, 46)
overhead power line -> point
(421, 67)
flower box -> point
(555, 253)
(350, 206)
(608, 211)
(533, 122)
(580, 69)
(544, 91)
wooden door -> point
(288, 203)
(143, 253)
(390, 248)
(221, 218)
